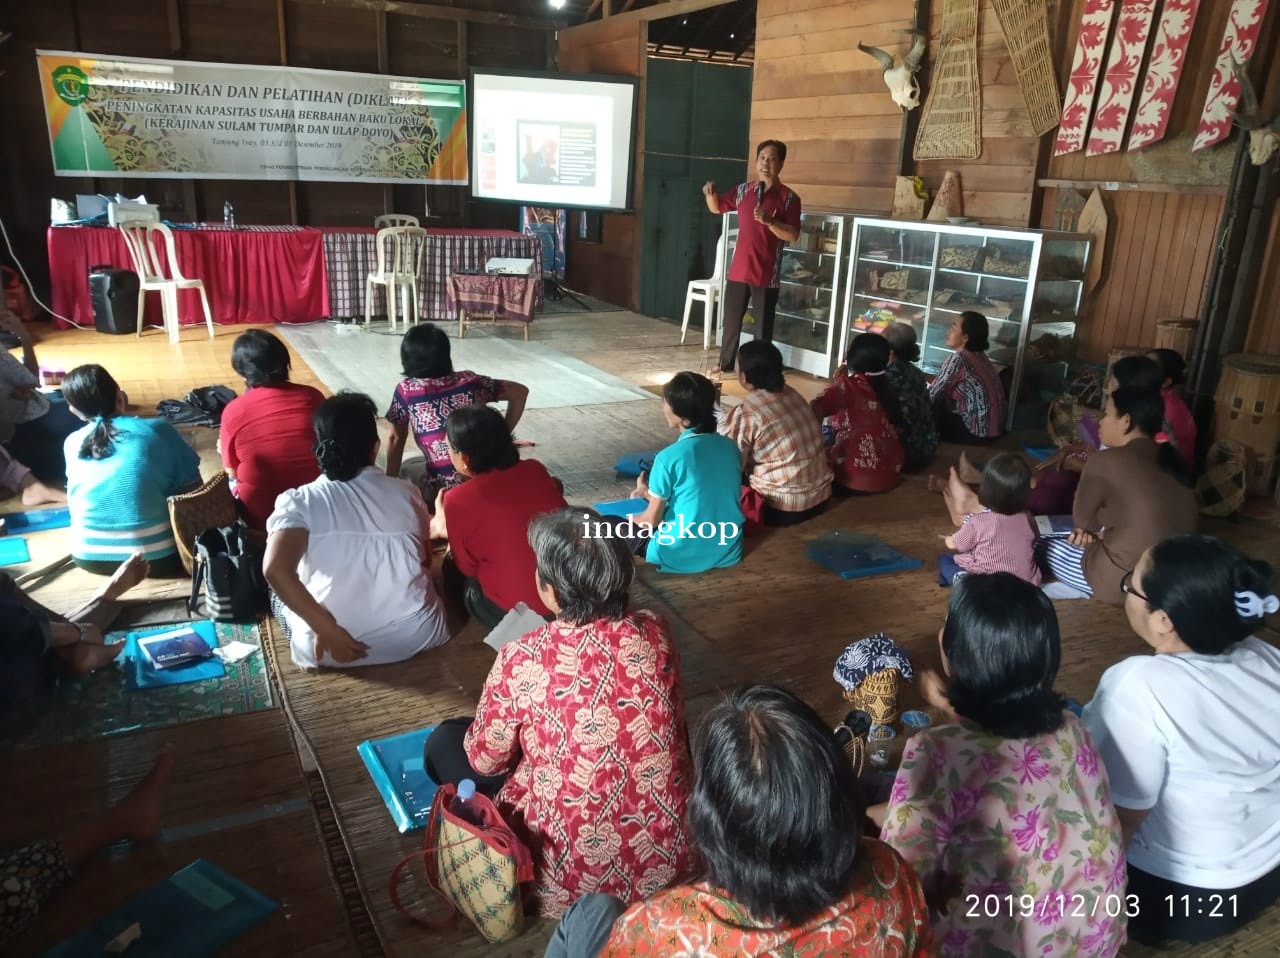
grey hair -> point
(588, 567)
(902, 340)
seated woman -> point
(37, 644)
(1189, 740)
(1132, 494)
(349, 555)
(1054, 487)
(486, 520)
(695, 484)
(996, 532)
(968, 397)
(33, 425)
(1006, 796)
(1179, 423)
(428, 395)
(120, 472)
(866, 452)
(917, 429)
(267, 440)
(781, 445)
(775, 817)
(581, 725)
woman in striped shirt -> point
(120, 472)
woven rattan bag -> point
(210, 507)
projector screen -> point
(545, 140)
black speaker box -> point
(114, 294)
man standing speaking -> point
(768, 219)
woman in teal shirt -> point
(694, 519)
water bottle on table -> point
(228, 215)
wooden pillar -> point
(284, 62)
(191, 206)
(384, 66)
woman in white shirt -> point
(1190, 738)
(349, 555)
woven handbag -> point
(477, 867)
(212, 506)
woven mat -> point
(1025, 26)
(950, 126)
(102, 703)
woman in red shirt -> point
(866, 453)
(486, 519)
(267, 439)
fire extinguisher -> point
(15, 294)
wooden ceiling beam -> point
(658, 11)
(595, 5)
(430, 11)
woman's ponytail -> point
(1145, 409)
(92, 392)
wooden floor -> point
(777, 618)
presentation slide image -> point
(563, 154)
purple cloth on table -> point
(507, 297)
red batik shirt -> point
(884, 915)
(757, 257)
(589, 720)
(867, 454)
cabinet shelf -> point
(877, 298)
(970, 272)
(894, 262)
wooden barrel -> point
(1178, 335)
(1247, 403)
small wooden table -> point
(493, 299)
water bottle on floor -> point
(462, 805)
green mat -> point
(102, 704)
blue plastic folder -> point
(621, 507)
(59, 518)
(1040, 453)
(631, 464)
(13, 550)
(194, 913)
(853, 555)
(395, 765)
(147, 676)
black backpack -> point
(200, 407)
(229, 566)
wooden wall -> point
(610, 270)
(816, 91)
(333, 34)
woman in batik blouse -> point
(1003, 808)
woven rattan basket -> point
(1026, 31)
(949, 122)
(877, 695)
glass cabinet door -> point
(808, 294)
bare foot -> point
(968, 472)
(141, 807)
(128, 574)
(86, 657)
(36, 493)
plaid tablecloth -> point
(507, 297)
(350, 255)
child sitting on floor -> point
(1000, 538)
(1177, 417)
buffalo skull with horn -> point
(901, 80)
(1264, 138)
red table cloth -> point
(506, 297)
(263, 274)
(351, 255)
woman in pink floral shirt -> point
(585, 719)
(1004, 809)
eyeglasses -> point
(1126, 586)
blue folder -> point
(147, 676)
(59, 518)
(13, 550)
(395, 765)
(853, 555)
(631, 464)
(194, 913)
(1040, 453)
(621, 507)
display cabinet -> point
(1028, 283)
(808, 315)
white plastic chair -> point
(707, 292)
(141, 238)
(400, 253)
(395, 219)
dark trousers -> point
(948, 568)
(466, 590)
(38, 444)
(764, 303)
(780, 517)
(445, 760)
(951, 428)
(1156, 920)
